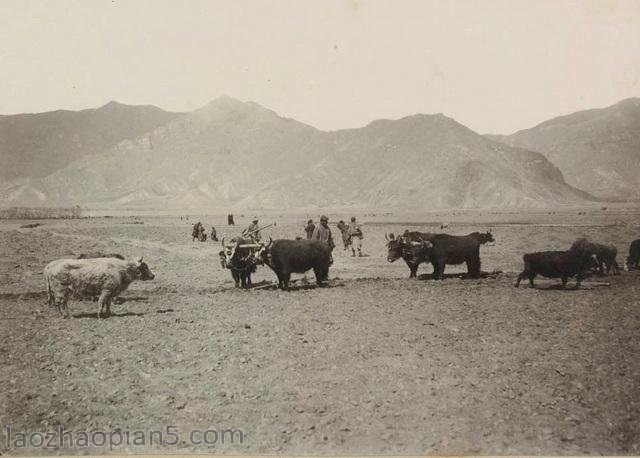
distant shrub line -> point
(41, 212)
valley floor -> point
(374, 363)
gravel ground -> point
(374, 363)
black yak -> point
(413, 247)
(633, 260)
(285, 257)
(458, 249)
(605, 255)
(240, 259)
(557, 264)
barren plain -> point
(374, 363)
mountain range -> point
(597, 150)
(240, 155)
(36, 145)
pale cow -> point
(102, 277)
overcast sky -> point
(496, 66)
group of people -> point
(199, 233)
(351, 234)
(251, 233)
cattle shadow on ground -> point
(444, 277)
(296, 285)
(122, 300)
(212, 290)
(42, 295)
(462, 276)
(570, 287)
(556, 287)
(25, 295)
(261, 284)
(94, 315)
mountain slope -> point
(212, 155)
(36, 145)
(231, 154)
(597, 150)
(423, 162)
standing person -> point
(322, 233)
(202, 235)
(230, 220)
(253, 231)
(344, 231)
(355, 237)
(195, 233)
(214, 234)
(309, 229)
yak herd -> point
(285, 257)
(442, 249)
(103, 276)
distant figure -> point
(355, 237)
(309, 229)
(344, 231)
(253, 230)
(195, 233)
(322, 233)
(214, 234)
(230, 220)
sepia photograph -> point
(320, 227)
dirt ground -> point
(374, 363)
